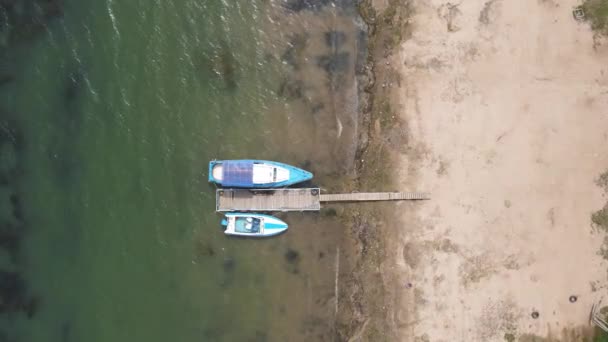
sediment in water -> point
(21, 23)
(365, 303)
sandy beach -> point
(503, 109)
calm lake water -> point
(110, 113)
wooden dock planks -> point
(291, 199)
(294, 199)
(374, 196)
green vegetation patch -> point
(600, 218)
(600, 336)
(596, 12)
(602, 181)
(509, 337)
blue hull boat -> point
(248, 173)
(253, 225)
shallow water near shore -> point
(111, 113)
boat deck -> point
(294, 199)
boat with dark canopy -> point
(250, 173)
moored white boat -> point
(253, 225)
(249, 173)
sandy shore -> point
(504, 106)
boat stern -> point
(211, 178)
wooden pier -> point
(298, 199)
(374, 196)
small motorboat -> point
(255, 174)
(254, 225)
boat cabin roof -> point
(237, 173)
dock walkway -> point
(298, 199)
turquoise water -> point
(110, 113)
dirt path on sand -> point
(506, 104)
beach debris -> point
(488, 12)
(597, 318)
(449, 12)
(573, 299)
(357, 336)
(408, 285)
(578, 13)
(535, 314)
(340, 127)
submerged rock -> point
(228, 278)
(293, 261)
(6, 79)
(316, 108)
(11, 146)
(17, 207)
(11, 133)
(291, 89)
(292, 256)
(30, 307)
(66, 166)
(73, 85)
(13, 294)
(204, 249)
(226, 66)
(27, 19)
(66, 332)
(10, 239)
(213, 334)
(294, 54)
(300, 5)
(229, 265)
(335, 39)
(334, 63)
(260, 336)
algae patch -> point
(596, 12)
